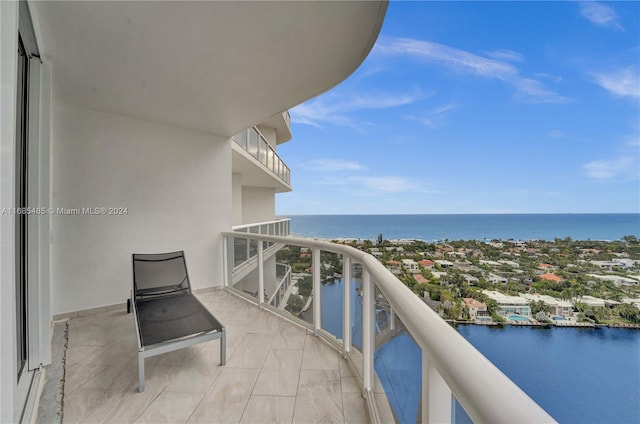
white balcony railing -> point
(254, 143)
(368, 309)
(245, 249)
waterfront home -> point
(509, 305)
(477, 310)
(558, 307)
(594, 302)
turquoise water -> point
(518, 318)
(468, 227)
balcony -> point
(252, 153)
(276, 371)
(404, 357)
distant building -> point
(426, 264)
(616, 280)
(419, 278)
(510, 305)
(410, 265)
(559, 307)
(444, 264)
(470, 279)
(512, 264)
(550, 277)
(477, 310)
(495, 279)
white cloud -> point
(534, 91)
(600, 14)
(626, 167)
(448, 56)
(462, 61)
(332, 165)
(622, 83)
(434, 116)
(504, 54)
(334, 108)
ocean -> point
(468, 227)
(586, 376)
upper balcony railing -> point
(428, 371)
(259, 148)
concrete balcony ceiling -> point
(217, 67)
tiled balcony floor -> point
(275, 372)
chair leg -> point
(223, 347)
(140, 372)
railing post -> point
(225, 261)
(392, 319)
(437, 401)
(260, 273)
(367, 329)
(317, 290)
(346, 304)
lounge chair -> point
(168, 316)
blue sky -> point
(474, 107)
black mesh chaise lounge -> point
(168, 316)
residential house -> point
(550, 277)
(477, 310)
(410, 265)
(509, 305)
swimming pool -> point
(517, 318)
(558, 318)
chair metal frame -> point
(147, 351)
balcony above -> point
(282, 124)
(216, 67)
(258, 163)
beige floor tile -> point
(197, 374)
(280, 373)
(319, 397)
(77, 375)
(318, 355)
(248, 357)
(269, 409)
(170, 407)
(124, 407)
(81, 403)
(227, 398)
(355, 408)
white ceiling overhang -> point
(213, 66)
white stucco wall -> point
(236, 187)
(258, 204)
(175, 184)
